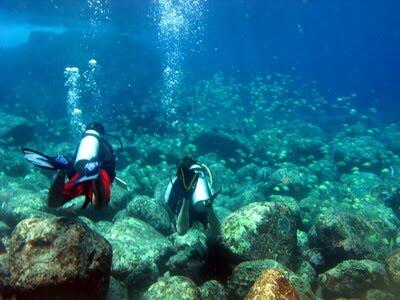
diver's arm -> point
(182, 223)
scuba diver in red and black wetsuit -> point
(89, 174)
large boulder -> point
(342, 236)
(58, 257)
(363, 152)
(14, 129)
(246, 273)
(150, 211)
(261, 230)
(393, 269)
(189, 260)
(212, 290)
(173, 288)
(135, 245)
(272, 284)
(352, 278)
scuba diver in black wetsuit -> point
(190, 197)
(90, 173)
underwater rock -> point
(58, 257)
(289, 202)
(391, 136)
(352, 278)
(342, 236)
(150, 211)
(13, 164)
(393, 268)
(135, 243)
(272, 284)
(173, 287)
(243, 196)
(221, 212)
(117, 290)
(261, 230)
(18, 204)
(225, 145)
(191, 253)
(363, 152)
(324, 169)
(146, 177)
(246, 273)
(14, 129)
(291, 180)
(5, 284)
(378, 295)
(212, 290)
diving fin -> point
(45, 162)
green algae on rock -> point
(173, 288)
(261, 230)
(135, 243)
(352, 278)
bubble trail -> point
(73, 100)
(179, 32)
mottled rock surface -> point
(344, 236)
(272, 285)
(58, 256)
(150, 211)
(352, 278)
(261, 230)
(393, 268)
(173, 288)
(191, 253)
(212, 290)
(246, 273)
(135, 243)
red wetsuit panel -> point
(72, 190)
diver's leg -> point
(213, 223)
(182, 223)
(55, 198)
(101, 193)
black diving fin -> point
(46, 162)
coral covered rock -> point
(246, 273)
(58, 257)
(150, 211)
(173, 288)
(344, 236)
(261, 230)
(352, 278)
(212, 290)
(393, 269)
(191, 253)
(134, 244)
(272, 285)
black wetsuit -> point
(175, 200)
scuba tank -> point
(88, 150)
(202, 191)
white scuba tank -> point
(88, 148)
(202, 191)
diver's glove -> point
(90, 172)
(91, 168)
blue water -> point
(346, 47)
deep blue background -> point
(346, 46)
